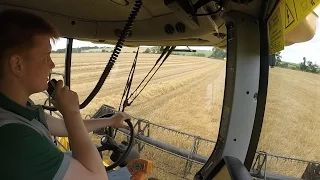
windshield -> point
(180, 106)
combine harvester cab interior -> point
(251, 32)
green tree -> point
(218, 53)
(103, 50)
(312, 67)
(278, 58)
(199, 54)
(303, 66)
(284, 64)
(147, 50)
(61, 51)
(309, 66)
(156, 50)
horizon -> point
(293, 53)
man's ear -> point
(16, 65)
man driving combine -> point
(27, 149)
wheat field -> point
(186, 94)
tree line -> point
(306, 66)
(216, 53)
(76, 50)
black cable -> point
(168, 54)
(163, 53)
(124, 34)
(130, 77)
(115, 53)
(128, 84)
(126, 92)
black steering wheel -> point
(108, 143)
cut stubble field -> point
(187, 94)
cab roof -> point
(159, 22)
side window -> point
(289, 138)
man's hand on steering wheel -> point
(120, 153)
(118, 120)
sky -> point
(309, 49)
(293, 53)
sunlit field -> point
(186, 95)
(292, 119)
